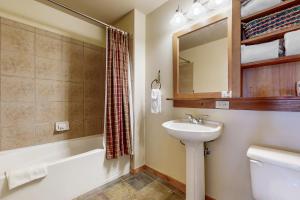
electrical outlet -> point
(62, 126)
(222, 105)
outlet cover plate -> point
(223, 105)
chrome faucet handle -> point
(190, 116)
(192, 119)
(203, 116)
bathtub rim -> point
(12, 151)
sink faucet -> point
(196, 120)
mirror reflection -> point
(203, 59)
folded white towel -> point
(155, 101)
(258, 52)
(257, 5)
(292, 41)
(22, 176)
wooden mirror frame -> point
(233, 84)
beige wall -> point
(45, 78)
(42, 16)
(139, 86)
(210, 63)
(227, 168)
(126, 23)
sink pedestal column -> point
(195, 171)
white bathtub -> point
(74, 167)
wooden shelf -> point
(289, 103)
(275, 61)
(269, 36)
(271, 10)
(237, 99)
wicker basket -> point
(277, 21)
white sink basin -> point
(186, 131)
(194, 136)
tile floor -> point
(142, 186)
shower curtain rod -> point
(84, 15)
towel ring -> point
(156, 82)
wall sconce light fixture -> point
(199, 8)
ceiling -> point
(204, 35)
(110, 11)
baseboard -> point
(177, 184)
(138, 170)
(209, 198)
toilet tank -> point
(275, 174)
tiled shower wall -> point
(47, 78)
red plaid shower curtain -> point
(117, 122)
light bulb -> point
(219, 2)
(214, 4)
(196, 10)
(178, 18)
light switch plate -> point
(226, 94)
(62, 126)
(222, 105)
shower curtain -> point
(118, 111)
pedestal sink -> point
(194, 136)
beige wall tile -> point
(75, 112)
(93, 90)
(17, 24)
(48, 69)
(94, 108)
(92, 57)
(76, 129)
(94, 73)
(43, 81)
(58, 70)
(18, 136)
(13, 114)
(72, 52)
(48, 47)
(16, 39)
(76, 92)
(48, 90)
(65, 111)
(93, 126)
(44, 132)
(15, 89)
(73, 71)
(59, 111)
(94, 65)
(17, 63)
(45, 112)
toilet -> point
(275, 174)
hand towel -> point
(155, 101)
(292, 41)
(259, 52)
(20, 177)
(253, 6)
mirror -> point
(202, 60)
